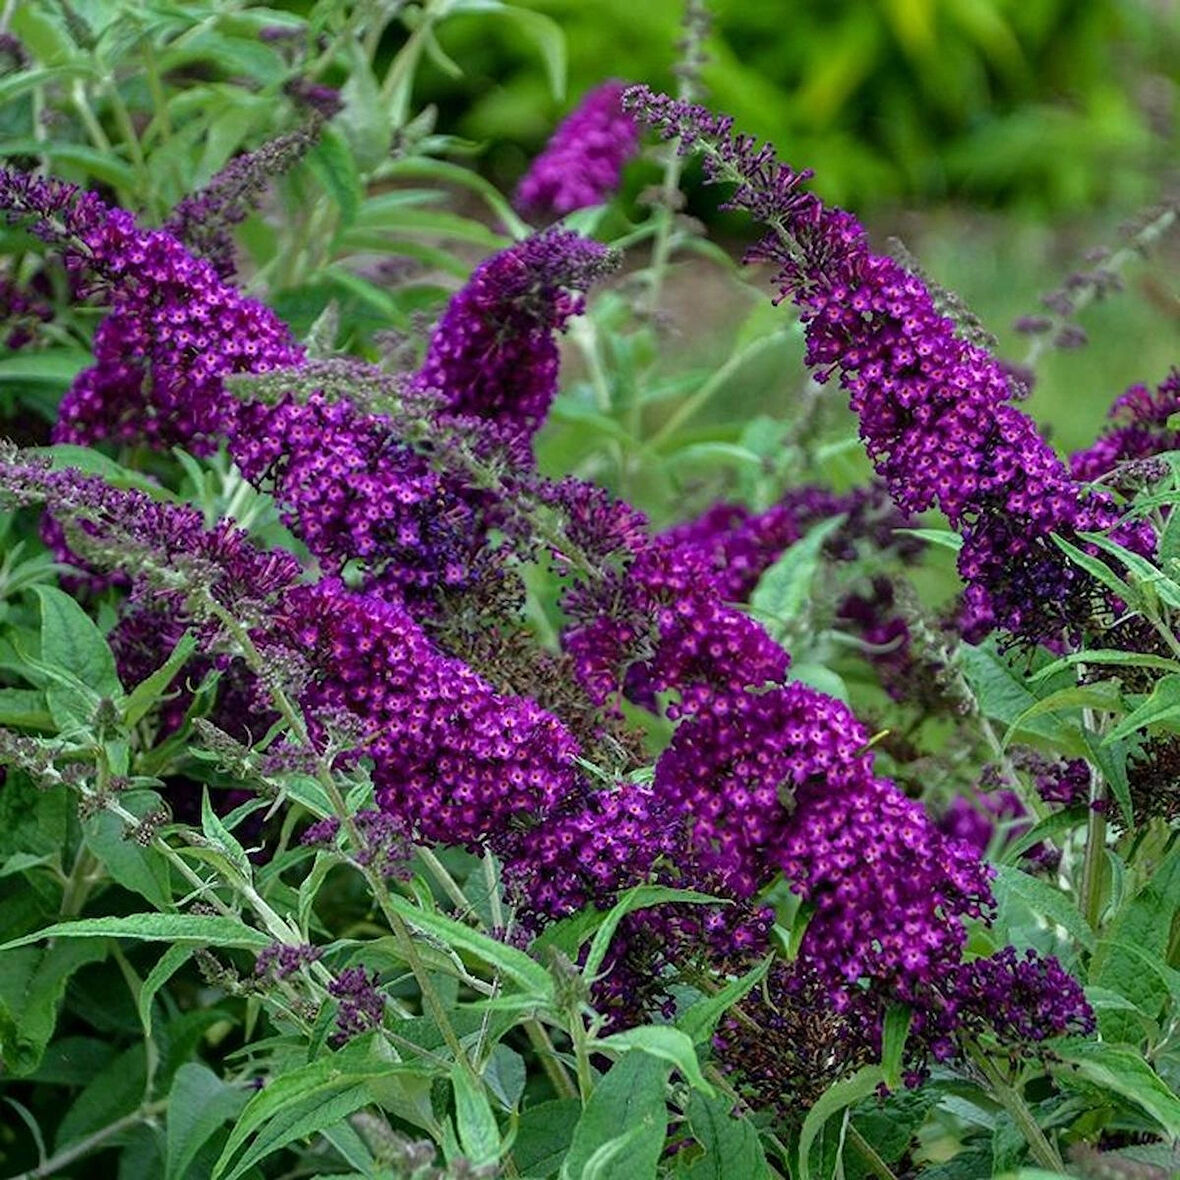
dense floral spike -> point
(1020, 1000)
(493, 355)
(1140, 430)
(203, 220)
(733, 773)
(361, 1005)
(933, 407)
(584, 159)
(457, 762)
(589, 849)
(658, 625)
(781, 781)
(173, 332)
(974, 822)
(353, 491)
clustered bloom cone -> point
(935, 408)
(582, 163)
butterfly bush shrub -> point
(405, 801)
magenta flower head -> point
(493, 355)
(582, 163)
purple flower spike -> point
(493, 355)
(582, 163)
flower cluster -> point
(934, 408)
(493, 356)
(1140, 430)
(360, 1005)
(355, 492)
(281, 960)
(24, 307)
(583, 161)
(453, 759)
(1020, 1000)
(174, 329)
(658, 625)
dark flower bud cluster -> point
(1021, 1000)
(360, 1005)
(583, 161)
(204, 220)
(281, 960)
(323, 101)
(24, 307)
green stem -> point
(1010, 1099)
(1093, 861)
(76, 1151)
(553, 1066)
(78, 884)
(581, 1055)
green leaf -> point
(1041, 898)
(543, 1136)
(193, 929)
(479, 1133)
(1052, 827)
(941, 537)
(76, 656)
(332, 163)
(505, 1076)
(166, 966)
(32, 983)
(1001, 691)
(54, 366)
(896, 1031)
(222, 839)
(833, 1100)
(306, 1100)
(142, 870)
(665, 1042)
(70, 640)
(420, 167)
(638, 898)
(1111, 760)
(1103, 696)
(699, 1020)
(1142, 570)
(1144, 923)
(365, 119)
(630, 1096)
(784, 589)
(147, 692)
(515, 964)
(731, 1143)
(1162, 705)
(198, 1103)
(1121, 1069)
(24, 708)
(1104, 656)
